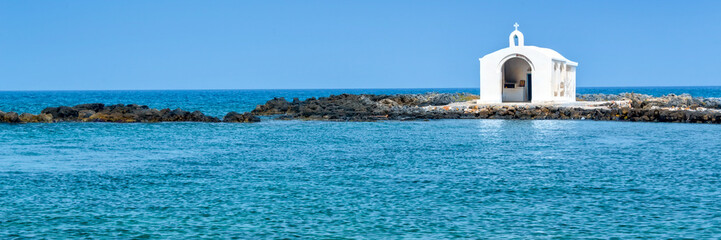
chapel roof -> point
(552, 54)
(520, 48)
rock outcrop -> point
(630, 107)
(364, 107)
(368, 107)
(10, 117)
(98, 112)
(648, 101)
(240, 117)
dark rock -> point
(114, 113)
(368, 107)
(85, 113)
(238, 117)
(95, 107)
(30, 118)
(349, 107)
(62, 113)
(176, 115)
(27, 117)
(9, 117)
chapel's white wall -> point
(491, 75)
(543, 75)
(542, 81)
(573, 83)
(490, 88)
(563, 84)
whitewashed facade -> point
(523, 73)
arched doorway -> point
(516, 75)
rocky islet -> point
(621, 107)
(369, 107)
(119, 113)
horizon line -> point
(392, 88)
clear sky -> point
(97, 45)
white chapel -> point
(521, 73)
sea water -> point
(387, 179)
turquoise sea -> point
(390, 179)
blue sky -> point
(98, 45)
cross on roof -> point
(516, 26)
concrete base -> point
(580, 104)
